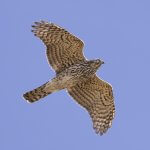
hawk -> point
(74, 73)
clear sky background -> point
(117, 31)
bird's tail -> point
(39, 92)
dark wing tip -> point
(40, 25)
(100, 131)
(37, 23)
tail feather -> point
(38, 93)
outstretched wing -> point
(63, 48)
(96, 96)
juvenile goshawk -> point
(74, 73)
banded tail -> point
(40, 92)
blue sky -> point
(116, 31)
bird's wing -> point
(96, 96)
(63, 48)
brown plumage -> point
(97, 97)
(74, 73)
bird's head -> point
(96, 63)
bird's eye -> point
(97, 61)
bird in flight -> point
(74, 73)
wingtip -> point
(32, 30)
(37, 23)
(99, 132)
(100, 129)
(40, 22)
(33, 26)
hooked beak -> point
(102, 62)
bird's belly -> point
(63, 82)
(68, 81)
